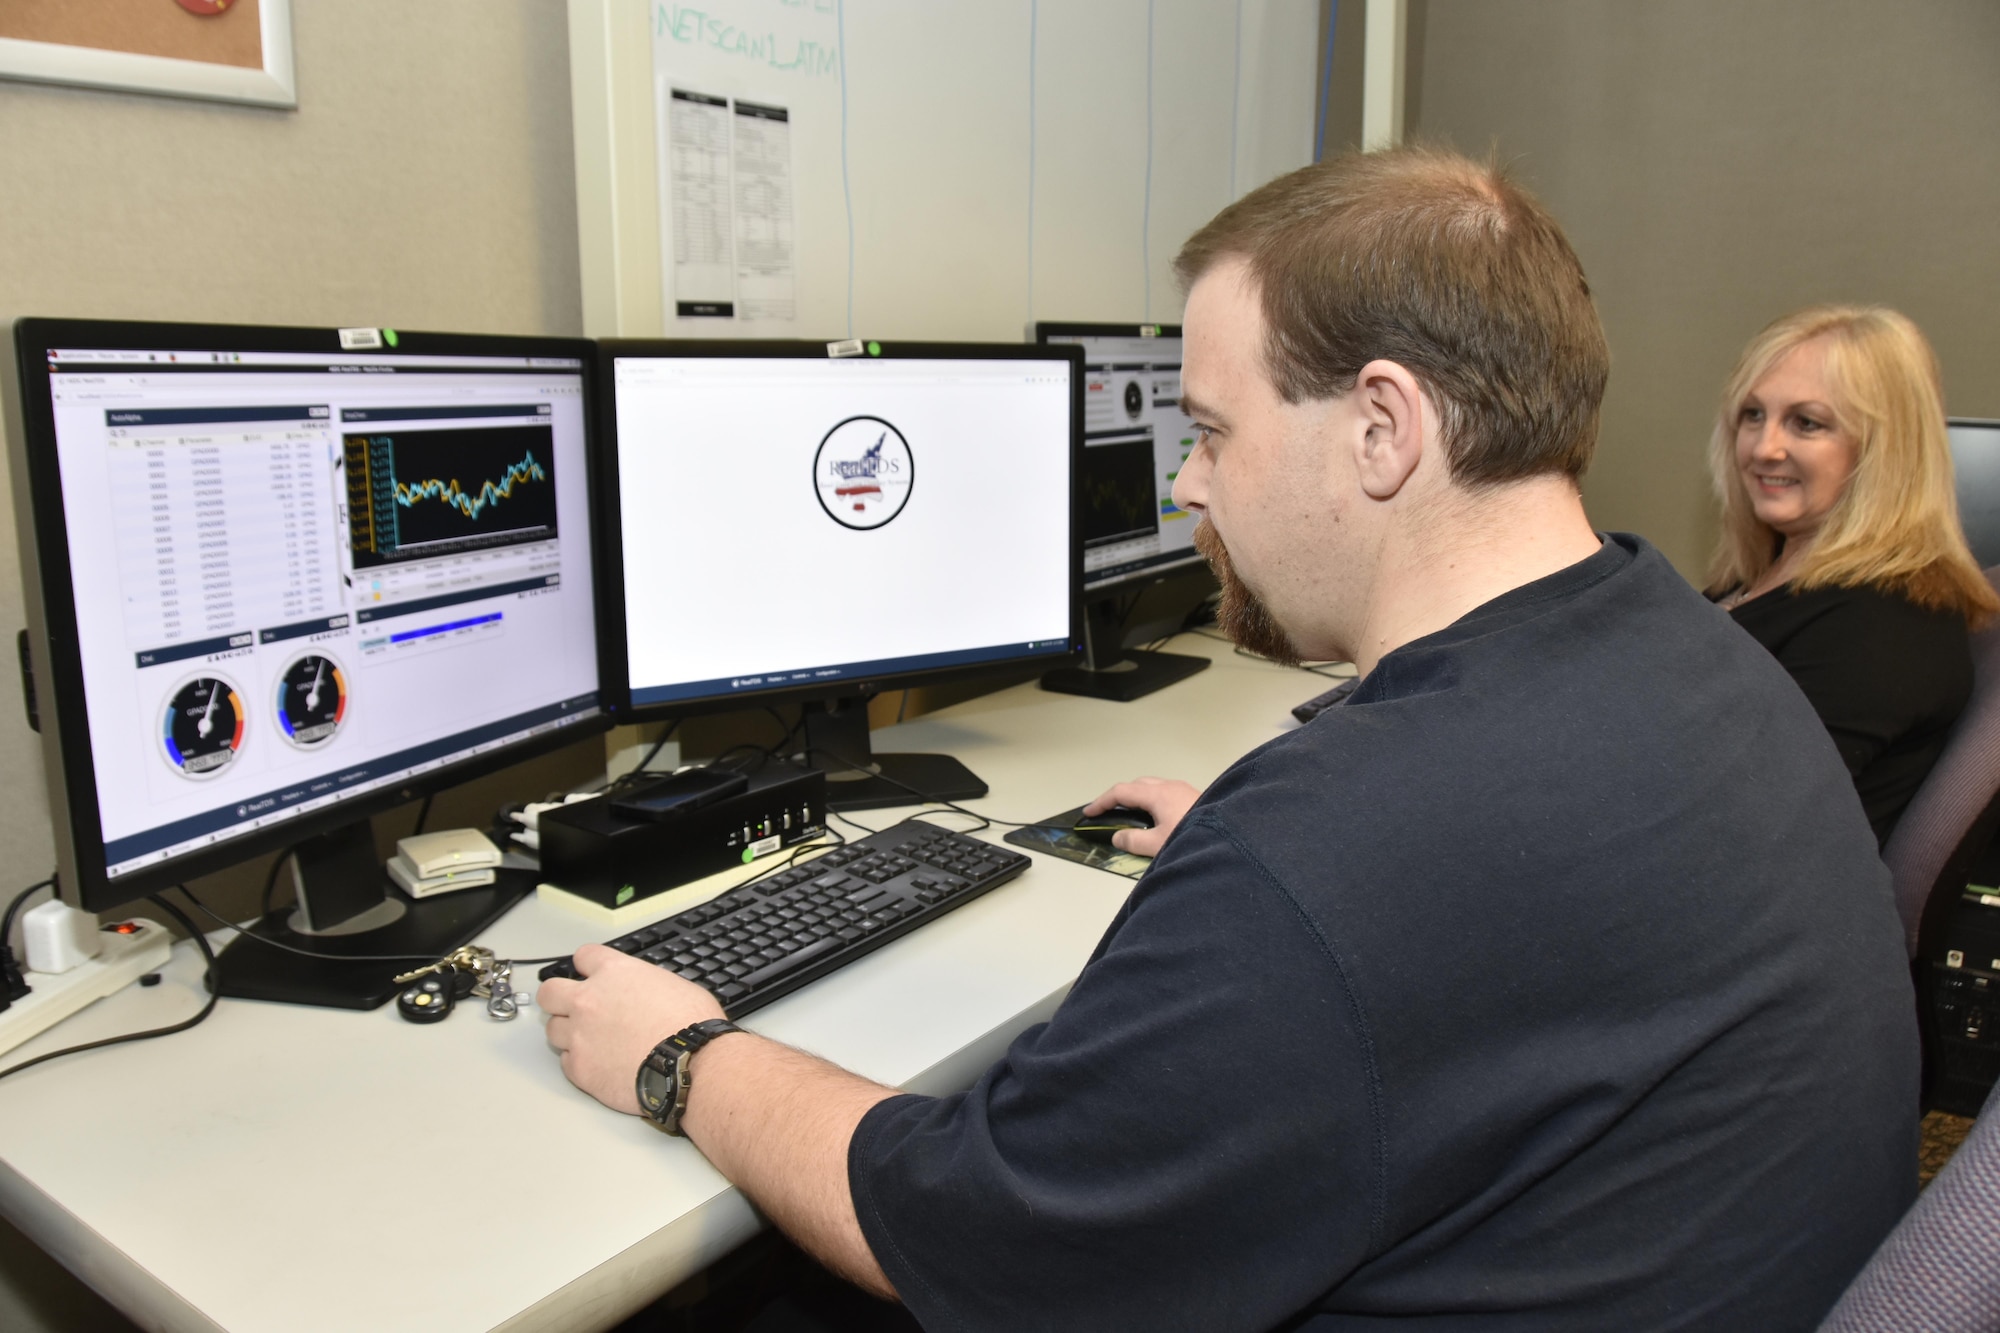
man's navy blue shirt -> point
(1551, 983)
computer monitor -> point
(1135, 439)
(281, 579)
(787, 524)
(1975, 459)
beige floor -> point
(1942, 1135)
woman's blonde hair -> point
(1895, 526)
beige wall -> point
(1721, 162)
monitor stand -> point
(347, 906)
(859, 779)
(1110, 672)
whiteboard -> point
(959, 169)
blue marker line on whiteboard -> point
(1235, 98)
(1146, 216)
(846, 190)
(1034, 8)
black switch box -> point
(611, 859)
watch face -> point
(656, 1086)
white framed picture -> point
(216, 50)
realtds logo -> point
(863, 473)
(870, 464)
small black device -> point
(680, 793)
(429, 999)
(597, 852)
(1319, 703)
(1100, 826)
(1961, 982)
(764, 940)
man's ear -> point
(1393, 412)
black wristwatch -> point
(664, 1075)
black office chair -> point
(1952, 818)
(1948, 827)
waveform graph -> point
(1120, 492)
(414, 494)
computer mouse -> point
(1100, 826)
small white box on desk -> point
(431, 863)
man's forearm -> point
(777, 1123)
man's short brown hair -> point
(1442, 265)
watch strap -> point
(663, 1096)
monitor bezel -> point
(1045, 331)
(611, 585)
(42, 532)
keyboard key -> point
(804, 956)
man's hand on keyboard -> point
(1165, 799)
(603, 1025)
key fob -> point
(430, 997)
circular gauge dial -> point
(203, 728)
(1135, 399)
(312, 699)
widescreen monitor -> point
(281, 579)
(1135, 439)
(794, 525)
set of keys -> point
(435, 989)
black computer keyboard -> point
(1319, 703)
(767, 939)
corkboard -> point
(140, 27)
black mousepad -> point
(1053, 836)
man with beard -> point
(1550, 983)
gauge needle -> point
(312, 695)
(207, 723)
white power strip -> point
(57, 995)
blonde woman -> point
(1841, 550)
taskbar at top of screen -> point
(124, 855)
(831, 676)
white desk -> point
(296, 1169)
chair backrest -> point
(1939, 1270)
(1933, 839)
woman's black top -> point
(1886, 676)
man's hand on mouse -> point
(1165, 799)
(604, 1025)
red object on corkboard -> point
(229, 50)
(143, 27)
